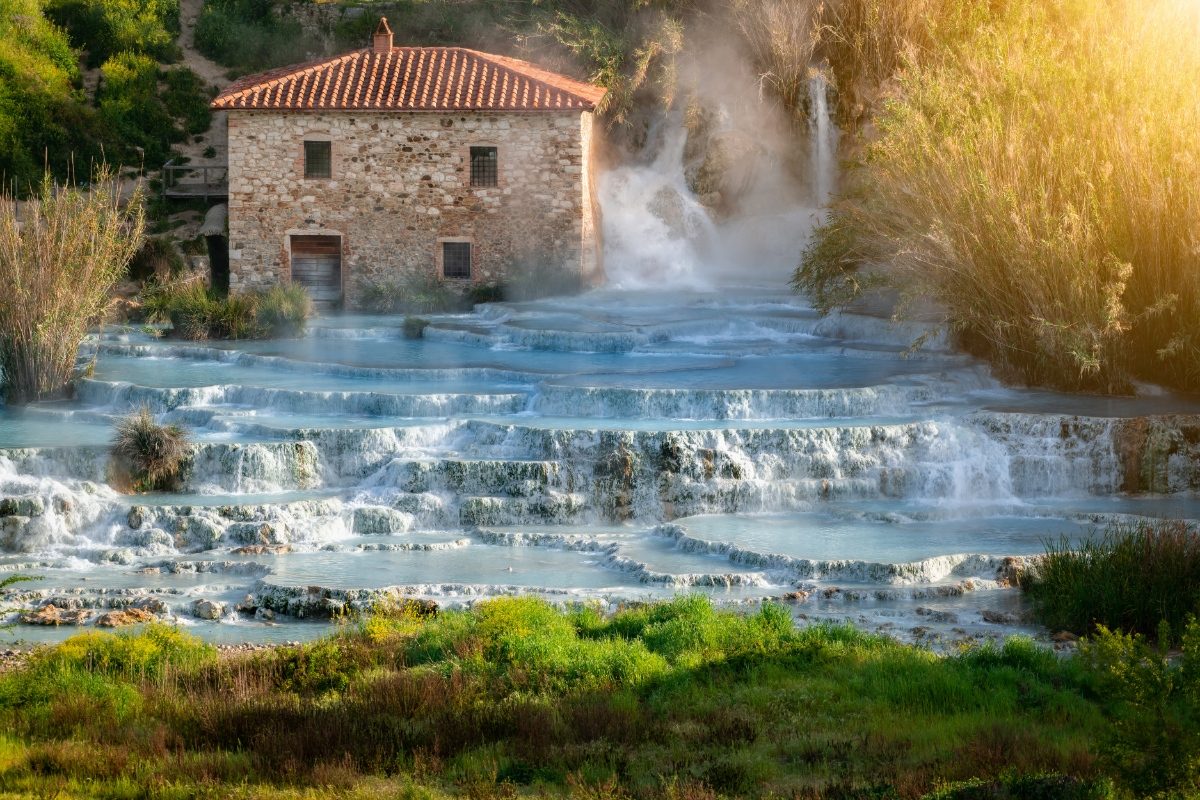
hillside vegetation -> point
(129, 110)
(678, 700)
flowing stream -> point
(659, 436)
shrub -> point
(1131, 579)
(196, 312)
(414, 327)
(105, 28)
(1025, 180)
(283, 311)
(156, 258)
(248, 35)
(131, 106)
(150, 455)
(56, 272)
(186, 99)
(1153, 741)
(420, 294)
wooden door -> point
(317, 266)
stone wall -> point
(401, 184)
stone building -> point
(393, 162)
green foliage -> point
(1012, 786)
(1058, 235)
(414, 327)
(105, 28)
(248, 35)
(1131, 579)
(149, 456)
(141, 114)
(831, 269)
(411, 294)
(1153, 742)
(283, 311)
(196, 312)
(674, 699)
(43, 121)
(156, 258)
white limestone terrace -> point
(613, 446)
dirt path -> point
(211, 72)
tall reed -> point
(1037, 174)
(58, 264)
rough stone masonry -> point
(400, 125)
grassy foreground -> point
(517, 698)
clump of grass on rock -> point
(149, 456)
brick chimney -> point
(381, 42)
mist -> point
(728, 184)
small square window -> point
(318, 160)
(483, 166)
(456, 259)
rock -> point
(197, 533)
(798, 596)
(934, 615)
(22, 507)
(997, 617)
(374, 520)
(119, 618)
(264, 614)
(830, 593)
(248, 605)
(207, 609)
(1009, 571)
(12, 533)
(1063, 637)
(51, 614)
(253, 533)
(262, 549)
(136, 517)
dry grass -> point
(1038, 174)
(149, 456)
(58, 264)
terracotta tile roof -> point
(411, 79)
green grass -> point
(674, 699)
(196, 312)
(1132, 578)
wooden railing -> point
(207, 181)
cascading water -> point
(694, 427)
(823, 140)
(656, 233)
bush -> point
(1131, 579)
(156, 258)
(283, 311)
(1025, 180)
(419, 294)
(57, 270)
(1153, 741)
(105, 28)
(148, 456)
(247, 35)
(196, 312)
(140, 114)
(43, 121)
(414, 327)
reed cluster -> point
(61, 253)
(1036, 173)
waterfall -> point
(656, 232)
(824, 137)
